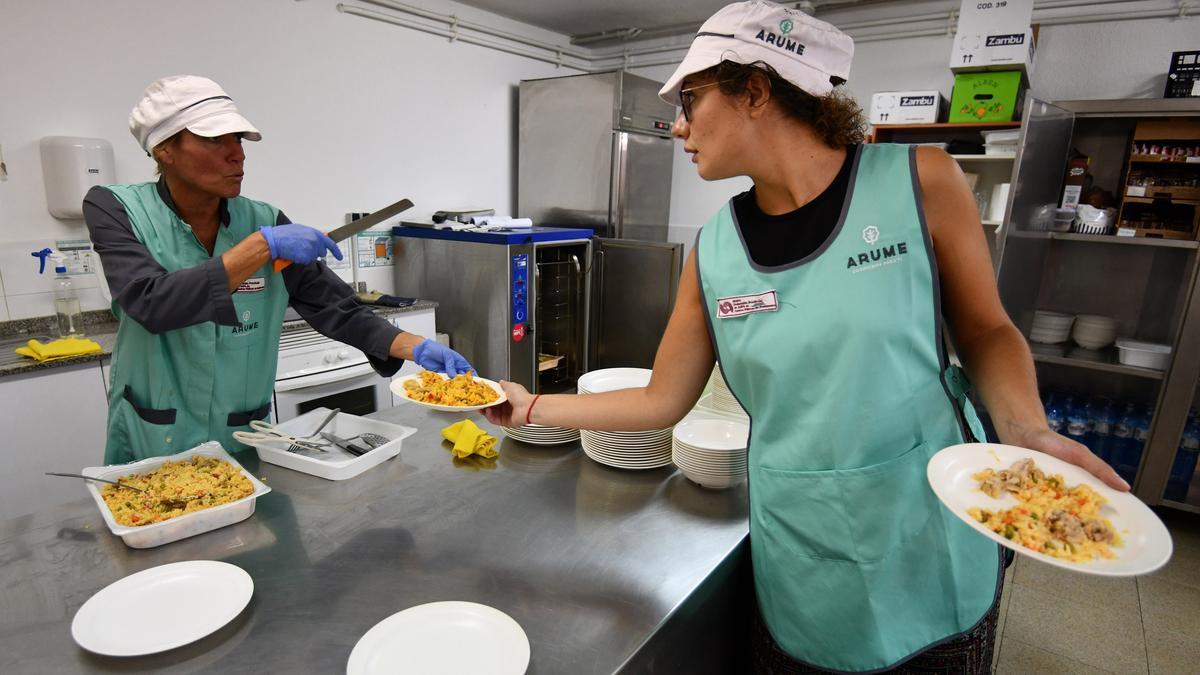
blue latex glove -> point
(298, 243)
(438, 357)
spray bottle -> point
(66, 304)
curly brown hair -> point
(836, 117)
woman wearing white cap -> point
(822, 292)
(188, 262)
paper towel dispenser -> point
(71, 165)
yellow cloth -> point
(469, 439)
(64, 348)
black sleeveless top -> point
(788, 237)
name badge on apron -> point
(733, 306)
(252, 285)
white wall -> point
(354, 113)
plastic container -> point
(199, 522)
(1143, 354)
(336, 464)
(1008, 137)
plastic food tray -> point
(336, 464)
(1143, 354)
(182, 527)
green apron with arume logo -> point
(839, 362)
(174, 390)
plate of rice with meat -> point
(461, 393)
(1048, 509)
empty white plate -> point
(443, 637)
(162, 608)
(713, 434)
(612, 379)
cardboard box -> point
(987, 97)
(907, 107)
(993, 35)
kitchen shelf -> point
(1181, 506)
(1105, 360)
(1106, 239)
(985, 158)
(949, 126)
(1150, 200)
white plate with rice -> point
(1146, 543)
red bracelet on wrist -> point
(530, 409)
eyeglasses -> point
(687, 98)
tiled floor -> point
(1054, 621)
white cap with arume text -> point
(804, 51)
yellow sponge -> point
(64, 348)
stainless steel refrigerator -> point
(596, 151)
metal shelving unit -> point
(1107, 239)
(1150, 286)
(990, 169)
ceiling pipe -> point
(454, 22)
(605, 35)
(454, 36)
(1052, 13)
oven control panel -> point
(520, 290)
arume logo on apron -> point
(740, 305)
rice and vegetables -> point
(176, 489)
(1051, 517)
(461, 390)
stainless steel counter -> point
(600, 566)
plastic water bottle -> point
(1122, 445)
(1139, 430)
(1100, 439)
(1054, 413)
(1185, 461)
(1077, 421)
(66, 304)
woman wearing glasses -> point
(821, 292)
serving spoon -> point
(175, 502)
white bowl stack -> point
(1051, 327)
(722, 399)
(1094, 332)
(623, 449)
(711, 452)
(536, 434)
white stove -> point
(316, 371)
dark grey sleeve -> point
(157, 299)
(327, 303)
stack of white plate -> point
(628, 449)
(722, 398)
(1093, 332)
(623, 449)
(1051, 327)
(711, 452)
(536, 434)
